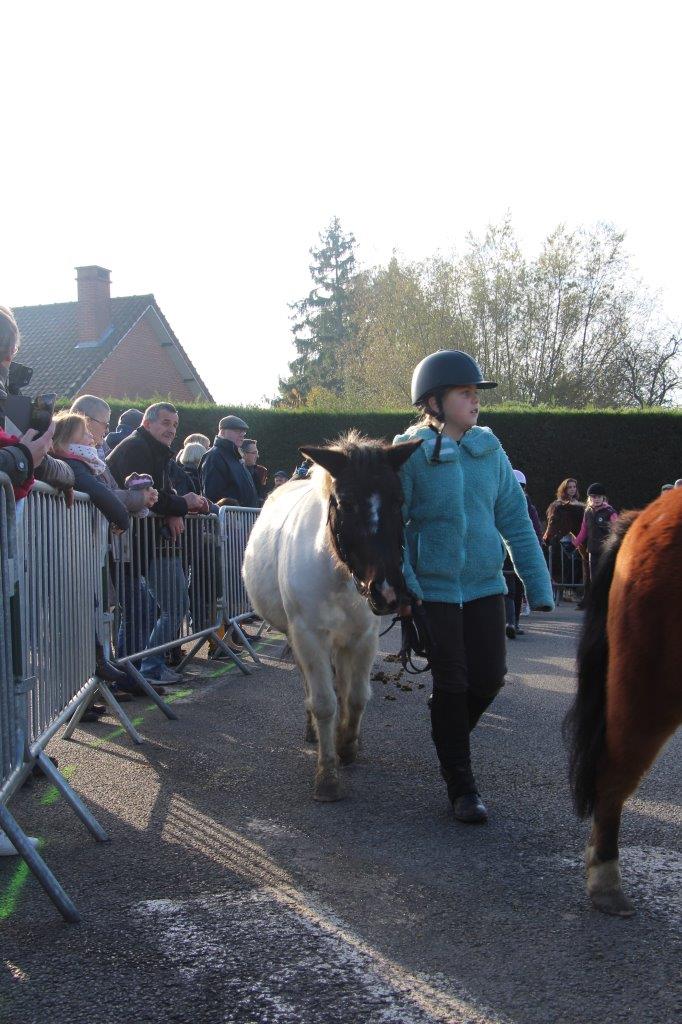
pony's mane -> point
(359, 449)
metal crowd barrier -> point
(44, 578)
(11, 753)
(166, 593)
(236, 523)
(567, 569)
(65, 586)
(62, 553)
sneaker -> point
(8, 849)
(163, 674)
(519, 630)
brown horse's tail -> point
(585, 724)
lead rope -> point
(416, 639)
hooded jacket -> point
(128, 421)
(461, 513)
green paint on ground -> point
(9, 898)
(51, 794)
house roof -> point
(49, 343)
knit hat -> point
(139, 481)
(282, 472)
(130, 418)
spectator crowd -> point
(131, 472)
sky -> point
(197, 150)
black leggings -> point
(468, 654)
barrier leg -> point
(39, 868)
(231, 654)
(133, 671)
(245, 641)
(74, 721)
(113, 704)
(195, 650)
(72, 798)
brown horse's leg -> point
(629, 755)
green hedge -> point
(632, 453)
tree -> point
(323, 322)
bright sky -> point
(198, 149)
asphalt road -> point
(228, 895)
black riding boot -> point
(450, 734)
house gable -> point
(146, 362)
(77, 347)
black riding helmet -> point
(448, 368)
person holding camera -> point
(21, 455)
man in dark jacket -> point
(222, 469)
(259, 474)
(147, 450)
(127, 422)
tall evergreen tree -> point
(323, 325)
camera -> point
(22, 414)
(19, 377)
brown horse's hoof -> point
(327, 788)
(615, 903)
(349, 753)
(604, 887)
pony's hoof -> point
(327, 789)
(604, 887)
(614, 902)
(349, 753)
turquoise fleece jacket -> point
(459, 513)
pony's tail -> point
(585, 724)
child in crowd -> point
(139, 482)
(596, 524)
(73, 443)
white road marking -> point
(266, 961)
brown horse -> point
(629, 699)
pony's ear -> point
(400, 453)
(330, 459)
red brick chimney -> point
(94, 302)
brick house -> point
(114, 348)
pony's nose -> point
(388, 593)
(382, 598)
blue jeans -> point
(167, 585)
(138, 616)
